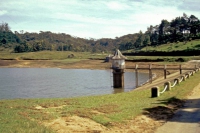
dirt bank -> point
(89, 64)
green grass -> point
(164, 59)
(155, 57)
(22, 116)
(169, 47)
(50, 55)
(79, 56)
(178, 46)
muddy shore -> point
(102, 65)
(83, 64)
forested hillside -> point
(184, 28)
(7, 37)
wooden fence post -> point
(136, 75)
(150, 74)
(165, 72)
(180, 67)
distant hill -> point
(180, 29)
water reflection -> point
(118, 90)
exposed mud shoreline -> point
(95, 64)
(83, 64)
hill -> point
(180, 29)
(186, 48)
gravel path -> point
(187, 119)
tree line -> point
(182, 28)
(7, 37)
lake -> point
(60, 83)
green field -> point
(178, 46)
(50, 55)
(58, 55)
(78, 56)
(23, 117)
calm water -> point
(52, 82)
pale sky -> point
(92, 18)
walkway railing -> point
(164, 89)
(155, 91)
(164, 68)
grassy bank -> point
(49, 55)
(66, 56)
(178, 46)
(29, 115)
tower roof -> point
(118, 55)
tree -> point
(162, 30)
(194, 25)
(23, 47)
(163, 26)
(70, 47)
(146, 41)
(154, 36)
(140, 40)
(4, 27)
(3, 41)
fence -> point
(164, 68)
(155, 91)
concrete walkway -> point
(187, 119)
(161, 80)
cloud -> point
(190, 6)
(117, 6)
(3, 12)
(137, 0)
(92, 18)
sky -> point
(92, 18)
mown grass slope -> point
(178, 46)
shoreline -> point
(94, 65)
(76, 64)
